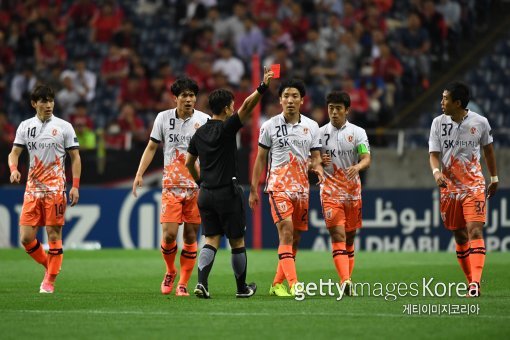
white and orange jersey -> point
(344, 146)
(289, 147)
(46, 143)
(459, 145)
(176, 133)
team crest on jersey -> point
(328, 214)
(349, 138)
(473, 130)
(305, 131)
(282, 206)
(54, 132)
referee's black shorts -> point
(222, 211)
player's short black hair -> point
(295, 83)
(42, 92)
(182, 84)
(459, 91)
(339, 97)
(218, 99)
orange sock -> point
(463, 251)
(36, 251)
(55, 258)
(280, 275)
(350, 253)
(169, 250)
(477, 259)
(286, 260)
(188, 259)
(341, 260)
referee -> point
(221, 201)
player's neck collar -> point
(286, 121)
(44, 120)
(179, 116)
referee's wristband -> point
(262, 88)
(494, 179)
(435, 170)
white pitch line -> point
(127, 312)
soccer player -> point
(221, 200)
(46, 139)
(174, 128)
(287, 139)
(345, 152)
(454, 145)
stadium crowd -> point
(111, 62)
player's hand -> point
(137, 183)
(352, 172)
(253, 200)
(74, 196)
(326, 160)
(440, 179)
(15, 176)
(268, 75)
(491, 189)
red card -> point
(276, 70)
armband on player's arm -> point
(362, 149)
(76, 182)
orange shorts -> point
(179, 205)
(346, 214)
(43, 209)
(285, 204)
(457, 211)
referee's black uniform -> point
(221, 199)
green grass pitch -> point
(114, 294)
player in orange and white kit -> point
(287, 140)
(454, 146)
(174, 128)
(345, 152)
(46, 139)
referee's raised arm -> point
(246, 109)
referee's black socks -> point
(239, 264)
(205, 263)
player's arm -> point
(74, 194)
(316, 165)
(435, 164)
(364, 163)
(191, 161)
(260, 164)
(490, 160)
(146, 159)
(246, 109)
(13, 159)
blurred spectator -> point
(251, 42)
(7, 132)
(81, 12)
(21, 86)
(160, 97)
(49, 53)
(265, 11)
(284, 10)
(83, 126)
(84, 80)
(68, 96)
(229, 65)
(359, 102)
(388, 67)
(148, 7)
(414, 45)
(127, 36)
(332, 31)
(126, 129)
(106, 22)
(115, 66)
(80, 115)
(277, 36)
(7, 60)
(319, 115)
(298, 24)
(315, 47)
(435, 24)
(134, 91)
(349, 53)
(374, 87)
(451, 12)
(326, 73)
(230, 29)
